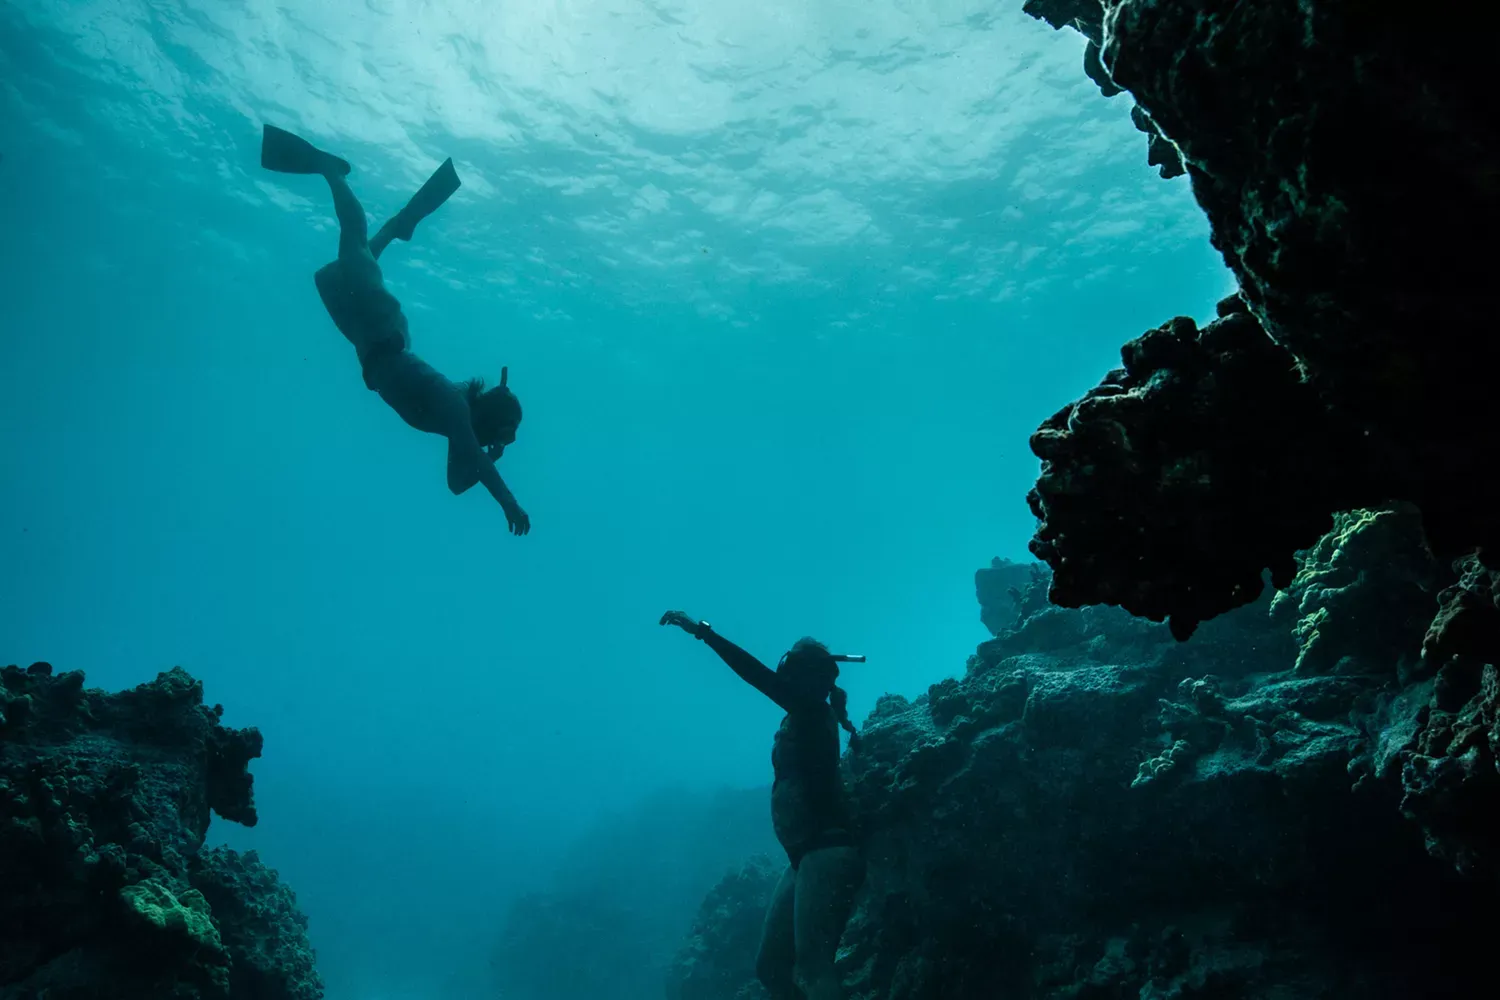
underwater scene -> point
(802, 500)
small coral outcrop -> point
(105, 888)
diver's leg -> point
(358, 272)
(827, 881)
(354, 227)
(428, 199)
(774, 961)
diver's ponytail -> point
(839, 699)
(473, 389)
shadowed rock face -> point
(105, 891)
(1095, 810)
(1346, 156)
(718, 958)
(1087, 17)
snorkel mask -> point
(497, 449)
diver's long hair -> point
(808, 653)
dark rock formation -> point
(1087, 17)
(1098, 811)
(1346, 158)
(1364, 596)
(1171, 487)
(1002, 587)
(718, 959)
(105, 891)
(262, 929)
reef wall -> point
(106, 892)
(1095, 810)
(1346, 160)
(1346, 157)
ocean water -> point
(783, 288)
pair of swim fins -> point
(286, 153)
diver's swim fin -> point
(286, 153)
(438, 189)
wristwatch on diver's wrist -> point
(701, 630)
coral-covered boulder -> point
(1001, 588)
(1174, 485)
(105, 891)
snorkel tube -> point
(835, 657)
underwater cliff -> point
(106, 890)
(1346, 162)
(1097, 810)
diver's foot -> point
(402, 225)
(437, 190)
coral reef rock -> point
(718, 959)
(1287, 806)
(1087, 17)
(106, 892)
(1346, 164)
(1000, 587)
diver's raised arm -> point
(751, 670)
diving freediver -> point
(810, 812)
(477, 422)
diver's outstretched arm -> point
(464, 451)
(462, 475)
(751, 670)
(518, 519)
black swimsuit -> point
(372, 320)
(809, 805)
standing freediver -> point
(478, 423)
(810, 812)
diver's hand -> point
(681, 620)
(518, 520)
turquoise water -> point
(783, 288)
